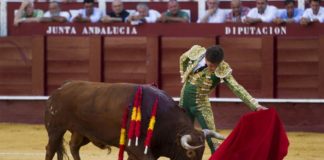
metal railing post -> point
(3, 18)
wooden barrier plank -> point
(129, 56)
(121, 43)
(73, 53)
(38, 66)
(152, 61)
(267, 60)
(16, 67)
(11, 54)
(68, 54)
(309, 55)
(294, 81)
(68, 67)
(95, 59)
(321, 67)
(247, 52)
(12, 77)
(75, 42)
(304, 68)
(125, 59)
(298, 66)
(304, 43)
(57, 79)
(245, 43)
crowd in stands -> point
(262, 13)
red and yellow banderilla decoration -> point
(123, 135)
(135, 123)
(151, 126)
(138, 116)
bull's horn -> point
(184, 143)
(208, 132)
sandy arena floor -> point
(27, 142)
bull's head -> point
(194, 143)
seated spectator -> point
(54, 14)
(66, 1)
(144, 15)
(89, 13)
(69, 0)
(27, 13)
(213, 14)
(290, 15)
(261, 13)
(174, 13)
(118, 14)
(238, 13)
(313, 14)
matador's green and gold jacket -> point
(199, 85)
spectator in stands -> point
(27, 13)
(54, 13)
(89, 13)
(313, 14)
(144, 15)
(64, 1)
(118, 14)
(261, 13)
(213, 14)
(290, 15)
(69, 0)
(174, 13)
(238, 13)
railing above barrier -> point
(213, 100)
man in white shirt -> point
(89, 13)
(213, 14)
(54, 13)
(261, 13)
(313, 14)
(144, 14)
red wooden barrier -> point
(283, 66)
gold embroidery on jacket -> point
(189, 60)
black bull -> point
(92, 112)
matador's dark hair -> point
(289, 1)
(88, 1)
(319, 1)
(215, 54)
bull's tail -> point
(55, 144)
(61, 151)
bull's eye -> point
(191, 154)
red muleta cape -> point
(258, 136)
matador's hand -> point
(260, 108)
